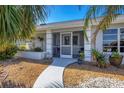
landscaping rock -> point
(102, 82)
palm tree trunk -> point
(94, 38)
(94, 42)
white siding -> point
(39, 43)
(31, 55)
(49, 43)
(99, 41)
(87, 46)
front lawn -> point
(23, 72)
(75, 74)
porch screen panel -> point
(56, 44)
(110, 40)
(66, 50)
(66, 44)
(122, 40)
(78, 43)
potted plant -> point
(115, 59)
(38, 49)
(41, 39)
(81, 57)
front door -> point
(66, 45)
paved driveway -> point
(53, 73)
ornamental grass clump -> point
(100, 58)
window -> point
(66, 39)
(113, 40)
(56, 39)
(75, 40)
(110, 42)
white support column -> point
(71, 44)
(118, 39)
(49, 43)
(87, 46)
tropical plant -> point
(38, 49)
(101, 60)
(18, 22)
(107, 14)
(95, 53)
(81, 57)
(56, 84)
(115, 54)
(41, 39)
(22, 47)
(115, 59)
(99, 57)
(10, 51)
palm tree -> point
(109, 14)
(18, 22)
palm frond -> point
(108, 15)
(56, 84)
(19, 22)
(91, 13)
(111, 13)
(31, 15)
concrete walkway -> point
(53, 74)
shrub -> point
(38, 49)
(8, 52)
(100, 58)
(95, 53)
(22, 47)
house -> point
(66, 39)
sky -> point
(61, 13)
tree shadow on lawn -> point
(91, 66)
(12, 84)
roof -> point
(74, 23)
